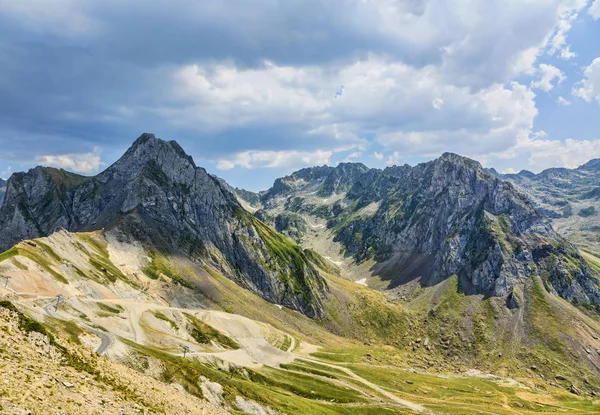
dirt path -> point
(255, 350)
(105, 339)
(403, 402)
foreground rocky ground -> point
(40, 377)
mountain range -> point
(446, 217)
(343, 289)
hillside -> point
(58, 374)
(247, 355)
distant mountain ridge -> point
(554, 189)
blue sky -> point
(255, 90)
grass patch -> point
(162, 317)
(108, 270)
(12, 252)
(289, 393)
(292, 264)
(160, 266)
(287, 343)
(70, 328)
(19, 265)
(111, 308)
(35, 257)
(321, 262)
(204, 334)
(27, 324)
(49, 251)
(300, 367)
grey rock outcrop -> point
(156, 194)
(450, 217)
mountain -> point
(438, 219)
(156, 195)
(570, 197)
(2, 190)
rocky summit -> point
(446, 217)
(156, 194)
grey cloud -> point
(69, 87)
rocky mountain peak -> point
(592, 165)
(154, 156)
(155, 195)
(459, 161)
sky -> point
(254, 90)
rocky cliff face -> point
(449, 216)
(157, 195)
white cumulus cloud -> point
(594, 10)
(543, 152)
(287, 159)
(388, 99)
(86, 163)
(589, 87)
(547, 75)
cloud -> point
(276, 76)
(491, 120)
(378, 156)
(589, 87)
(352, 157)
(270, 159)
(547, 74)
(393, 159)
(571, 153)
(563, 101)
(388, 99)
(594, 10)
(87, 163)
(568, 11)
(542, 152)
(62, 17)
(6, 173)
